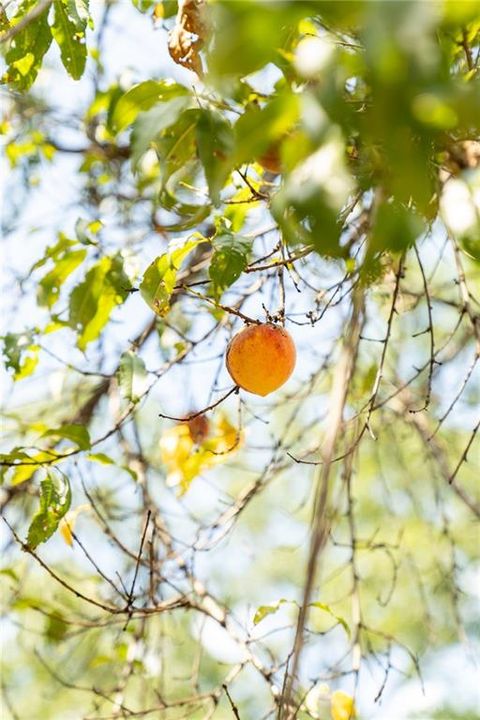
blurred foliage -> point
(321, 147)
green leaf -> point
(27, 49)
(265, 610)
(230, 258)
(68, 30)
(20, 473)
(78, 12)
(55, 499)
(100, 458)
(9, 572)
(4, 21)
(6, 460)
(48, 291)
(164, 8)
(142, 97)
(92, 302)
(471, 246)
(396, 228)
(132, 376)
(250, 35)
(103, 459)
(257, 129)
(53, 252)
(55, 628)
(215, 140)
(143, 5)
(326, 608)
(308, 205)
(21, 353)
(149, 125)
(86, 230)
(78, 434)
(160, 277)
(176, 149)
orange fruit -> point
(261, 358)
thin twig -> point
(320, 526)
(26, 20)
(137, 566)
(232, 704)
(232, 390)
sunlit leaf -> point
(264, 610)
(92, 301)
(9, 572)
(103, 459)
(258, 128)
(27, 49)
(308, 205)
(22, 472)
(65, 529)
(215, 139)
(68, 30)
(185, 457)
(78, 434)
(342, 706)
(328, 609)
(160, 277)
(49, 286)
(55, 499)
(21, 353)
(54, 252)
(230, 258)
(100, 458)
(132, 376)
(142, 97)
(151, 123)
(244, 43)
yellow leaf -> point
(66, 531)
(158, 11)
(67, 523)
(226, 438)
(176, 444)
(185, 459)
(342, 706)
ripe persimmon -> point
(261, 358)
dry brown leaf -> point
(462, 155)
(189, 34)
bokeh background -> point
(236, 530)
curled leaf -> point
(160, 277)
(189, 34)
(55, 498)
(265, 610)
(132, 376)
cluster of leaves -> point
(379, 113)
(66, 24)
